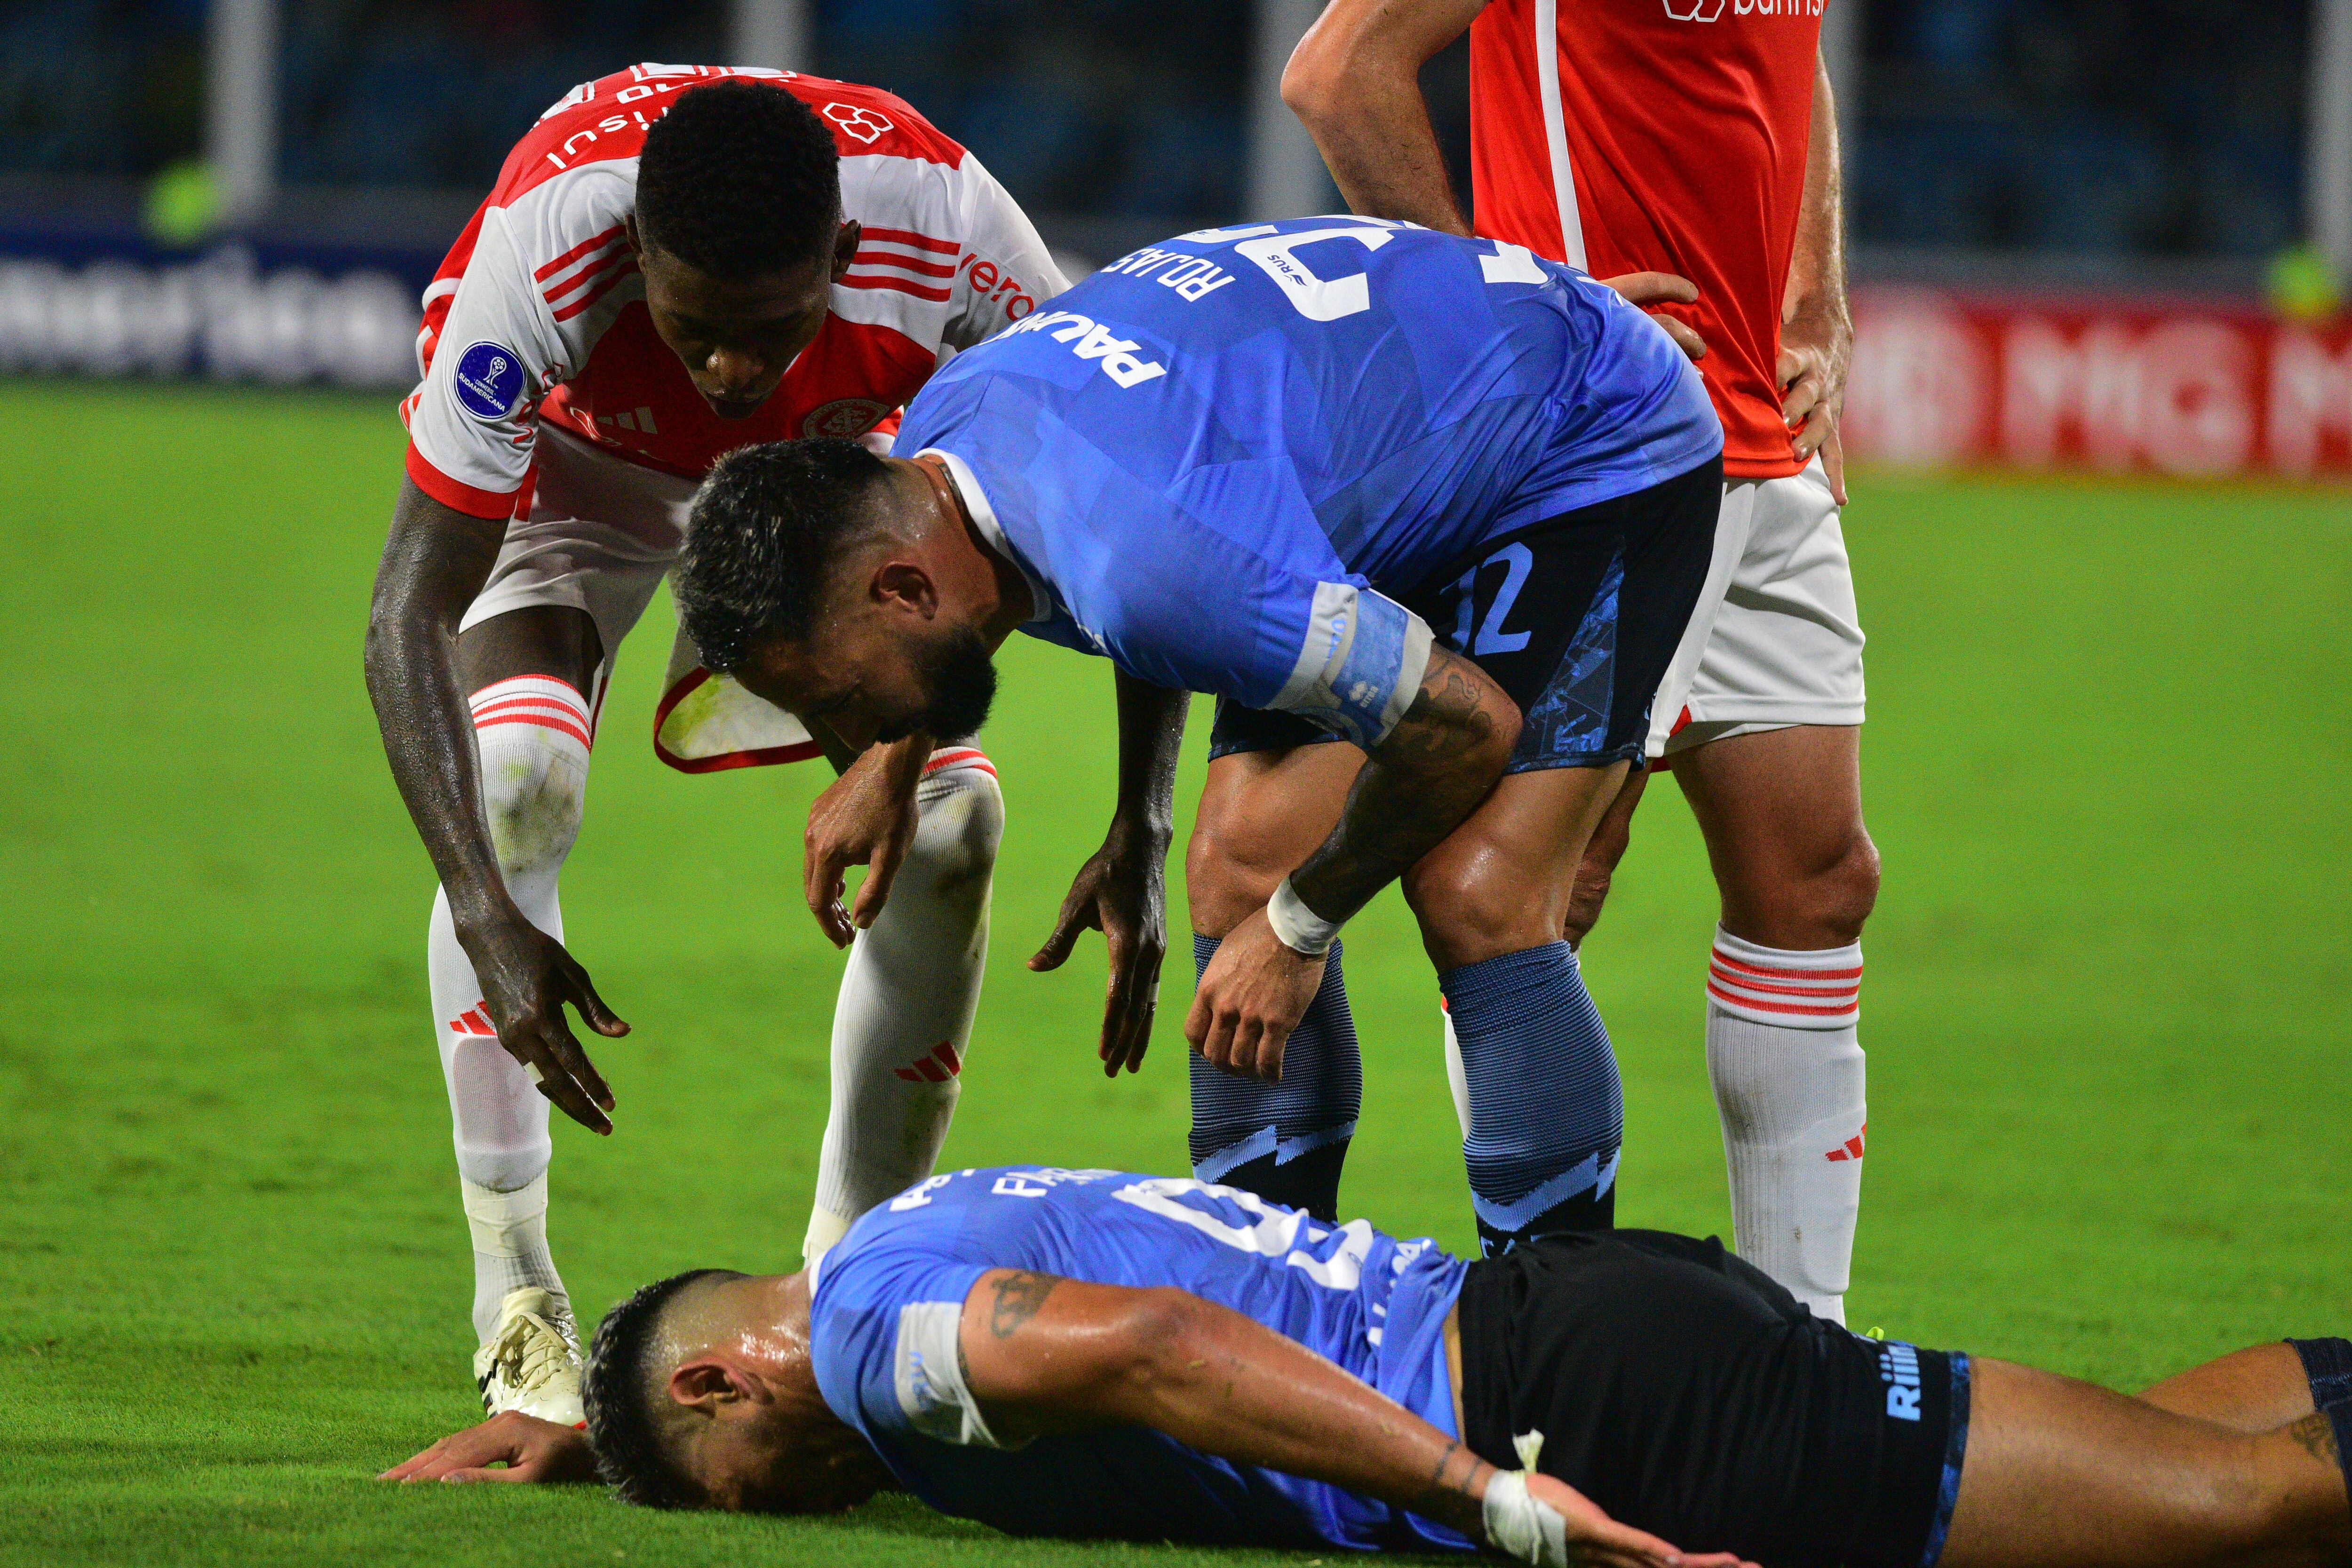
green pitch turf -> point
(2108, 765)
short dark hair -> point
(738, 179)
(766, 528)
(614, 1388)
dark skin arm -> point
(1046, 1354)
(434, 563)
(1422, 779)
(1122, 890)
(1354, 81)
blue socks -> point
(1546, 1113)
(2329, 1364)
(1284, 1141)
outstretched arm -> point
(434, 563)
(1122, 890)
(1046, 1354)
(1422, 779)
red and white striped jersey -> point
(538, 314)
(1659, 135)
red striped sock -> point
(1819, 990)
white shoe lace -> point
(531, 1354)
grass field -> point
(2108, 765)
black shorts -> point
(1686, 1393)
(1576, 617)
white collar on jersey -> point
(984, 518)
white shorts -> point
(602, 533)
(1784, 644)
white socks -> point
(1787, 1075)
(903, 1021)
(510, 1250)
(533, 734)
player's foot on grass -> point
(533, 1362)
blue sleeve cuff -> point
(1359, 665)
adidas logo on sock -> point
(1849, 1150)
(939, 1066)
(473, 1021)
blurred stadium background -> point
(2084, 232)
(2107, 760)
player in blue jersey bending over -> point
(1366, 483)
(1101, 1353)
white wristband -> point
(1518, 1526)
(1301, 930)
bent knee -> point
(1229, 872)
(1473, 907)
(959, 826)
(1821, 903)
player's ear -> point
(903, 584)
(629, 224)
(845, 247)
(711, 1384)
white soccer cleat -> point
(533, 1362)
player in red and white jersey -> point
(1693, 144)
(676, 261)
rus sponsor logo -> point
(1898, 1368)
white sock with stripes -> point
(1789, 1084)
(531, 735)
(903, 1021)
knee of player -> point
(533, 796)
(1839, 896)
(1474, 906)
(960, 824)
(1229, 874)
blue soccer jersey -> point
(889, 1295)
(1219, 460)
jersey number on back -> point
(1273, 1233)
(1320, 298)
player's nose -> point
(735, 371)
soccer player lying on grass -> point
(1100, 1354)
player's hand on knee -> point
(866, 817)
(1590, 1537)
(1648, 289)
(1121, 892)
(1250, 998)
(530, 1449)
(528, 978)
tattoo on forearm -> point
(1409, 797)
(2317, 1435)
(1018, 1295)
(1448, 1496)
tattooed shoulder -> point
(1018, 1295)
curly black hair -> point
(740, 179)
(765, 528)
(614, 1387)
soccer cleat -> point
(533, 1362)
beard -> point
(960, 678)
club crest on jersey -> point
(1694, 10)
(489, 381)
(844, 418)
(868, 126)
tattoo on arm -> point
(1448, 1496)
(1018, 1295)
(1420, 783)
(2317, 1435)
